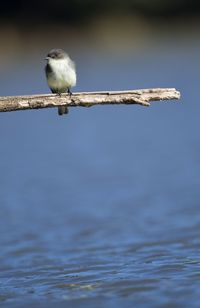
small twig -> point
(87, 99)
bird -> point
(60, 73)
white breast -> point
(63, 74)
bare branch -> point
(86, 99)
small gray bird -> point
(61, 74)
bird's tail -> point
(62, 110)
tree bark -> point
(86, 99)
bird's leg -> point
(69, 92)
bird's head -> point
(56, 54)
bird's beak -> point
(47, 58)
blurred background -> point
(101, 207)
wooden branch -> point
(87, 99)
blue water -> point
(101, 208)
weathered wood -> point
(86, 99)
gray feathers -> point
(61, 73)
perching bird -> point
(61, 74)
